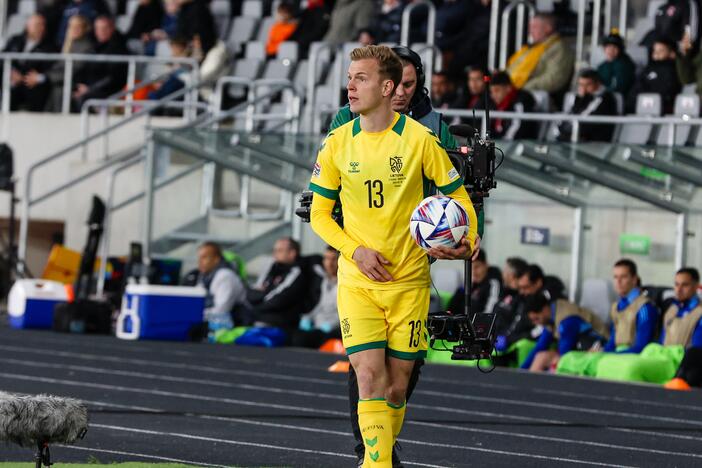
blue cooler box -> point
(31, 302)
(160, 312)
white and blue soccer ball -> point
(438, 221)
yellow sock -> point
(376, 430)
(397, 416)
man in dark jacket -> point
(486, 291)
(660, 76)
(101, 79)
(30, 86)
(592, 99)
(196, 23)
(505, 97)
(276, 296)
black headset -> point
(413, 57)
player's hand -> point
(476, 249)
(372, 264)
(462, 252)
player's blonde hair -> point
(390, 65)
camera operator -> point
(411, 99)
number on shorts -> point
(415, 333)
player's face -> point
(685, 287)
(405, 90)
(366, 87)
(623, 280)
(540, 317)
(207, 259)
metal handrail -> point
(27, 201)
(103, 104)
(431, 21)
(504, 29)
(313, 63)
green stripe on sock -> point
(394, 406)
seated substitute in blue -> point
(571, 326)
(634, 316)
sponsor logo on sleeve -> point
(452, 174)
(316, 170)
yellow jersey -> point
(380, 179)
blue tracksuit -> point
(646, 320)
(685, 308)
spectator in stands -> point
(634, 316)
(452, 16)
(366, 37)
(195, 22)
(101, 79)
(571, 326)
(177, 79)
(30, 85)
(659, 76)
(77, 41)
(592, 98)
(476, 33)
(476, 87)
(147, 19)
(347, 18)
(312, 24)
(443, 91)
(388, 24)
(547, 63)
(322, 323)
(683, 326)
(282, 29)
(90, 9)
(689, 64)
(487, 288)
(226, 294)
(276, 296)
(618, 71)
(505, 97)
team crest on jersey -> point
(396, 164)
(353, 167)
(316, 170)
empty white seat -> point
(241, 31)
(16, 24)
(288, 50)
(247, 68)
(647, 104)
(27, 7)
(255, 50)
(253, 8)
(264, 29)
(685, 105)
(598, 296)
(279, 69)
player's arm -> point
(542, 344)
(438, 167)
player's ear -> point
(388, 88)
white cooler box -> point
(160, 312)
(31, 302)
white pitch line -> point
(518, 403)
(140, 455)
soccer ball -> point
(437, 221)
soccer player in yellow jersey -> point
(377, 164)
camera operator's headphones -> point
(413, 57)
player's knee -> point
(396, 393)
(371, 382)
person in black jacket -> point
(148, 18)
(276, 296)
(30, 86)
(486, 288)
(387, 26)
(101, 79)
(312, 25)
(196, 23)
(592, 99)
(659, 76)
(505, 97)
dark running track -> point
(233, 406)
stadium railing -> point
(69, 59)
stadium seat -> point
(255, 50)
(222, 25)
(26, 7)
(598, 296)
(300, 77)
(620, 103)
(279, 69)
(324, 56)
(15, 25)
(220, 7)
(544, 5)
(647, 104)
(690, 88)
(132, 6)
(685, 105)
(252, 8)
(275, 108)
(123, 23)
(264, 29)
(568, 101)
(288, 50)
(241, 31)
(543, 102)
(638, 54)
(244, 68)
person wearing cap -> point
(618, 70)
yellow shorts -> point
(380, 319)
